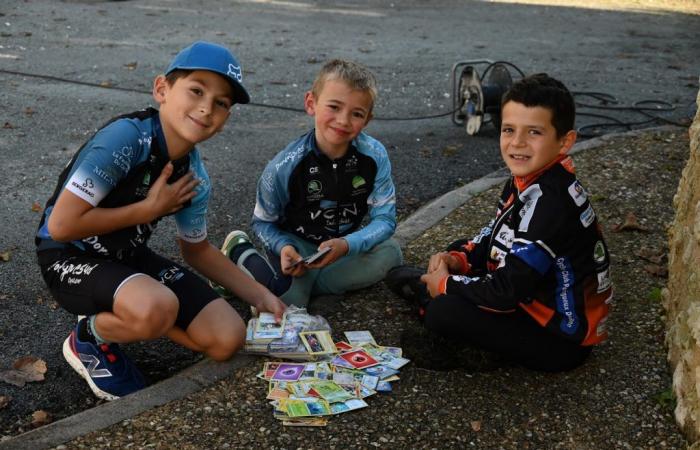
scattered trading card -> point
(348, 405)
(343, 346)
(318, 342)
(381, 371)
(330, 391)
(267, 327)
(340, 362)
(357, 338)
(305, 422)
(269, 369)
(359, 359)
(309, 372)
(384, 386)
(288, 372)
(276, 392)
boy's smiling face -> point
(340, 113)
(529, 141)
(192, 109)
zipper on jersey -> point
(337, 202)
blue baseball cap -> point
(213, 57)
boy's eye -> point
(196, 91)
(535, 132)
(223, 104)
(506, 130)
(359, 115)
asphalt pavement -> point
(67, 67)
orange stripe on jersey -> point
(442, 287)
(541, 313)
(596, 309)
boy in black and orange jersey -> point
(534, 285)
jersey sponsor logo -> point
(565, 296)
(104, 175)
(291, 156)
(484, 232)
(122, 158)
(72, 269)
(599, 252)
(170, 275)
(463, 279)
(313, 169)
(86, 187)
(604, 281)
(497, 254)
(529, 198)
(587, 217)
(314, 187)
(505, 236)
(578, 193)
(358, 181)
(94, 242)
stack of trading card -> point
(343, 376)
(286, 340)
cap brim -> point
(240, 94)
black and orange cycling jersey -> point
(544, 252)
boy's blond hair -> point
(357, 77)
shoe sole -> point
(230, 237)
(78, 366)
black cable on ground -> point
(607, 102)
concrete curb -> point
(207, 372)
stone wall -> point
(682, 295)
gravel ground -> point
(618, 400)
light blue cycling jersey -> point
(117, 167)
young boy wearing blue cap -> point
(315, 194)
(92, 239)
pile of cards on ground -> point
(330, 377)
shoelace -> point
(105, 348)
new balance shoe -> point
(107, 370)
(233, 239)
(405, 282)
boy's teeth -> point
(520, 157)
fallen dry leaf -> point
(13, 377)
(36, 207)
(29, 111)
(106, 84)
(630, 224)
(34, 367)
(653, 256)
(8, 126)
(5, 256)
(476, 425)
(4, 401)
(131, 65)
(40, 418)
(657, 271)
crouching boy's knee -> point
(226, 344)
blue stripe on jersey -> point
(564, 296)
(533, 255)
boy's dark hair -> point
(176, 74)
(542, 90)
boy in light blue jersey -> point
(92, 239)
(316, 193)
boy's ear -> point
(310, 103)
(568, 141)
(160, 86)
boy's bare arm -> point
(214, 265)
(74, 218)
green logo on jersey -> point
(358, 181)
(599, 252)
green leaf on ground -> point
(655, 294)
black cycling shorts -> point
(85, 285)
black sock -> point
(84, 333)
(238, 251)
